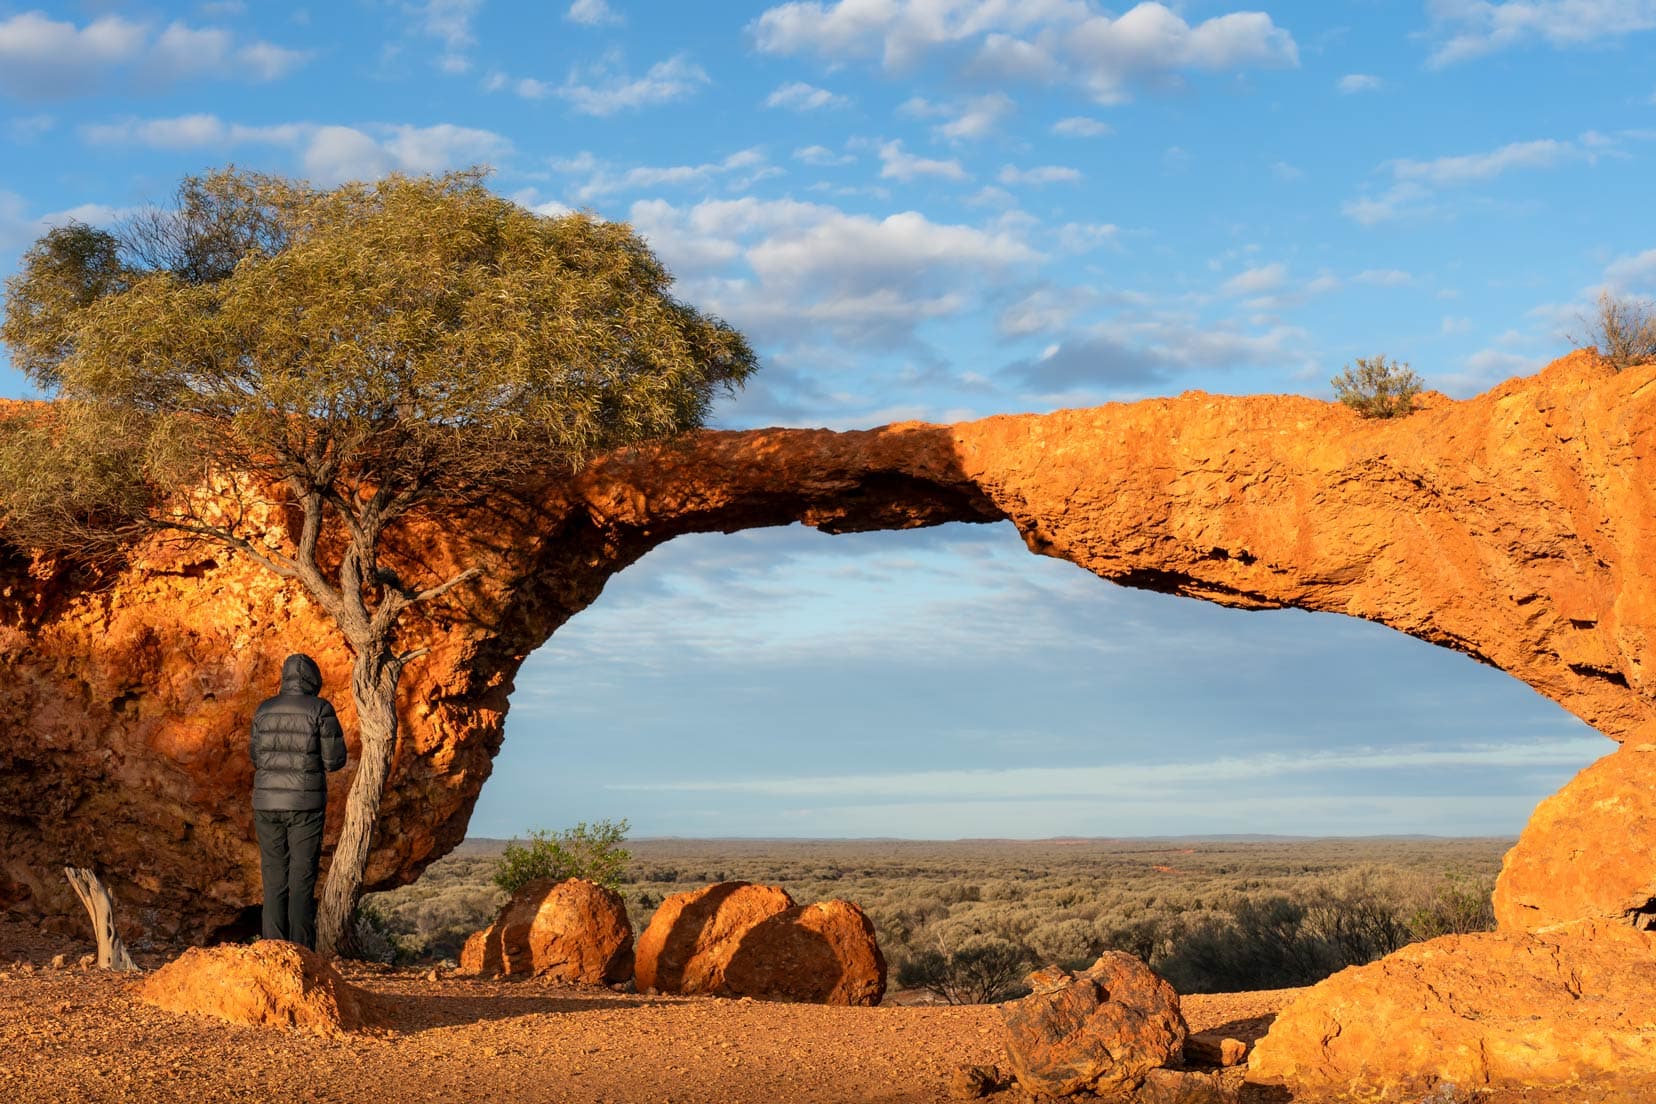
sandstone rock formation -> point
(1517, 527)
(269, 983)
(824, 953)
(1099, 1031)
(1589, 850)
(569, 931)
(693, 936)
(1565, 1005)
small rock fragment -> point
(1207, 1049)
(976, 1082)
(60, 961)
(1166, 1086)
(87, 961)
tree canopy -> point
(386, 346)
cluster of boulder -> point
(732, 939)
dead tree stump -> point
(112, 953)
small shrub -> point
(979, 971)
(373, 938)
(590, 851)
(1377, 388)
(1623, 331)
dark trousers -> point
(290, 847)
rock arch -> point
(1516, 527)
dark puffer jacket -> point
(296, 740)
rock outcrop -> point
(692, 937)
(1562, 1006)
(1589, 850)
(270, 983)
(824, 953)
(1517, 527)
(1101, 1031)
(571, 931)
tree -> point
(593, 852)
(1623, 332)
(982, 970)
(1377, 388)
(353, 359)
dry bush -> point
(1377, 388)
(1623, 331)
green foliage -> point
(1623, 331)
(983, 970)
(1377, 388)
(590, 851)
(418, 341)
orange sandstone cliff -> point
(1518, 527)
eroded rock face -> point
(569, 931)
(1589, 850)
(1518, 527)
(1569, 1004)
(692, 937)
(1100, 1031)
(271, 983)
(824, 953)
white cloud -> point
(41, 58)
(1473, 28)
(1383, 277)
(1483, 166)
(822, 155)
(328, 154)
(592, 13)
(24, 129)
(978, 117)
(1626, 274)
(450, 22)
(1256, 281)
(897, 165)
(603, 91)
(18, 228)
(739, 170)
(1084, 237)
(1414, 180)
(1080, 126)
(799, 96)
(1040, 174)
(1358, 82)
(1036, 40)
(1282, 170)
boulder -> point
(572, 931)
(1589, 850)
(824, 953)
(693, 936)
(1102, 1030)
(269, 983)
(1558, 1007)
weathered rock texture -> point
(1516, 527)
(1589, 850)
(569, 931)
(1495, 1009)
(692, 937)
(824, 953)
(1099, 1031)
(270, 983)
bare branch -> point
(443, 588)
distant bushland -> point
(961, 918)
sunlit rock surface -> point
(1515, 527)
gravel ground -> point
(78, 1035)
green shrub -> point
(983, 970)
(590, 851)
(1624, 331)
(1377, 388)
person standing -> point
(296, 740)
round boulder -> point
(1588, 851)
(824, 953)
(693, 936)
(1566, 1006)
(269, 983)
(572, 931)
(1102, 1030)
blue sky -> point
(943, 209)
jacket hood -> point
(300, 675)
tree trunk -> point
(374, 680)
(112, 952)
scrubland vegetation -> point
(967, 919)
